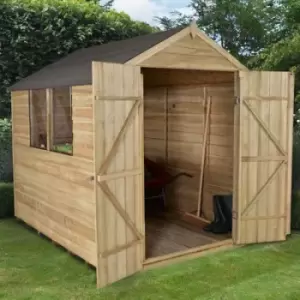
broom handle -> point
(206, 126)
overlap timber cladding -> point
(263, 185)
(53, 192)
(174, 128)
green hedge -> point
(6, 172)
(6, 200)
(295, 211)
(35, 33)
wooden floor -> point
(165, 236)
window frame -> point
(49, 121)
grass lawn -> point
(33, 268)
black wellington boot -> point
(224, 224)
(210, 226)
(226, 204)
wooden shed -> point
(83, 125)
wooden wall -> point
(53, 191)
(189, 53)
(218, 176)
(174, 127)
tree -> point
(35, 33)
(241, 27)
(107, 5)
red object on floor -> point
(159, 176)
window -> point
(51, 119)
(38, 118)
(62, 138)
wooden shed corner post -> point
(118, 146)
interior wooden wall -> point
(174, 127)
(218, 176)
(54, 192)
(38, 122)
(62, 114)
(83, 132)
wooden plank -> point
(261, 190)
(49, 99)
(118, 175)
(264, 218)
(265, 98)
(176, 77)
(119, 249)
(120, 187)
(266, 129)
(113, 218)
(253, 145)
(187, 254)
(263, 158)
(290, 118)
(276, 229)
(203, 156)
(139, 214)
(282, 134)
(121, 134)
(263, 167)
(99, 154)
(117, 98)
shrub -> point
(35, 33)
(295, 212)
(6, 200)
(6, 172)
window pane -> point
(62, 121)
(38, 119)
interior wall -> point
(82, 114)
(38, 121)
(62, 115)
(53, 191)
(174, 127)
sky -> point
(146, 10)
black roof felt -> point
(75, 68)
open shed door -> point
(119, 163)
(263, 153)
